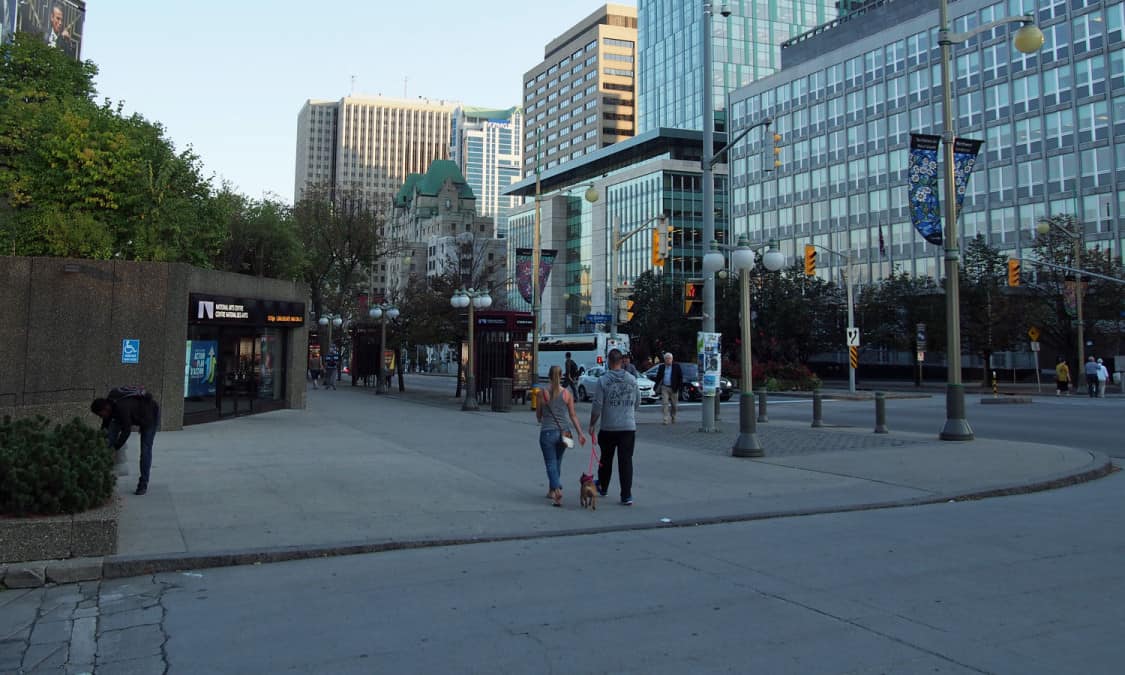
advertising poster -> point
(710, 361)
(925, 210)
(521, 365)
(199, 369)
(58, 22)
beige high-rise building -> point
(582, 96)
(369, 144)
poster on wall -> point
(710, 360)
(521, 365)
(199, 368)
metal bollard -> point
(995, 386)
(762, 416)
(817, 420)
(881, 413)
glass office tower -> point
(745, 48)
(849, 96)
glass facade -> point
(1053, 125)
(745, 48)
(487, 148)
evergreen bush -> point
(46, 471)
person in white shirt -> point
(1103, 378)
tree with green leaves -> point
(993, 317)
(889, 310)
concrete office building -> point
(745, 48)
(851, 93)
(488, 148)
(369, 144)
(582, 96)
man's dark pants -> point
(619, 443)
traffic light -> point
(1013, 272)
(810, 260)
(625, 310)
(776, 150)
(693, 298)
(661, 242)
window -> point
(968, 70)
(1119, 115)
(1087, 31)
(917, 48)
(1056, 45)
(857, 174)
(1056, 85)
(995, 61)
(877, 169)
(1029, 137)
(853, 71)
(836, 146)
(1030, 178)
(817, 120)
(1097, 165)
(1093, 122)
(1050, 9)
(1115, 22)
(895, 57)
(835, 75)
(1001, 183)
(816, 84)
(1059, 130)
(919, 86)
(835, 112)
(1117, 69)
(854, 106)
(996, 103)
(999, 142)
(1060, 172)
(897, 129)
(896, 92)
(969, 109)
(1089, 77)
(1025, 94)
(857, 140)
(873, 65)
(876, 135)
(875, 99)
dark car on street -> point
(692, 391)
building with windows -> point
(369, 145)
(582, 96)
(851, 93)
(488, 148)
(654, 173)
(745, 48)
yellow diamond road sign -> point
(1033, 333)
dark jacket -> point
(677, 378)
(141, 411)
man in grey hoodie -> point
(615, 405)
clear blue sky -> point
(228, 78)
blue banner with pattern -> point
(964, 159)
(925, 209)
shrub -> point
(778, 376)
(44, 471)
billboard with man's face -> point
(58, 22)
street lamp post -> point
(381, 313)
(1028, 40)
(742, 259)
(708, 178)
(328, 321)
(478, 300)
(1076, 235)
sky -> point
(227, 78)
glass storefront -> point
(233, 367)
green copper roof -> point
(440, 171)
(407, 190)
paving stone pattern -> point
(93, 627)
(780, 439)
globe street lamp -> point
(381, 313)
(328, 321)
(742, 259)
(1028, 40)
(1075, 235)
(473, 300)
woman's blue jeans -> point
(552, 455)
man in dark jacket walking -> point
(669, 381)
(120, 411)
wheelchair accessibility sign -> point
(130, 351)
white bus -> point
(587, 349)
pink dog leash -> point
(593, 456)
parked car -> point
(692, 391)
(589, 380)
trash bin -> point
(501, 394)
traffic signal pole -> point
(616, 240)
(810, 270)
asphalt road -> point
(1075, 421)
(1022, 585)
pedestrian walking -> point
(669, 381)
(315, 368)
(627, 365)
(1062, 378)
(331, 364)
(571, 373)
(1091, 370)
(614, 409)
(555, 413)
(121, 410)
(1103, 378)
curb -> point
(116, 567)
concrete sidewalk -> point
(357, 472)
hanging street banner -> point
(964, 159)
(925, 210)
(523, 270)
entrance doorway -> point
(233, 370)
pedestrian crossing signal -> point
(693, 298)
(1013, 272)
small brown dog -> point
(588, 492)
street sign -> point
(598, 318)
(1034, 346)
(920, 336)
(1033, 333)
(130, 351)
(853, 336)
(921, 356)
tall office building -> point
(746, 47)
(488, 149)
(582, 96)
(369, 144)
(851, 93)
